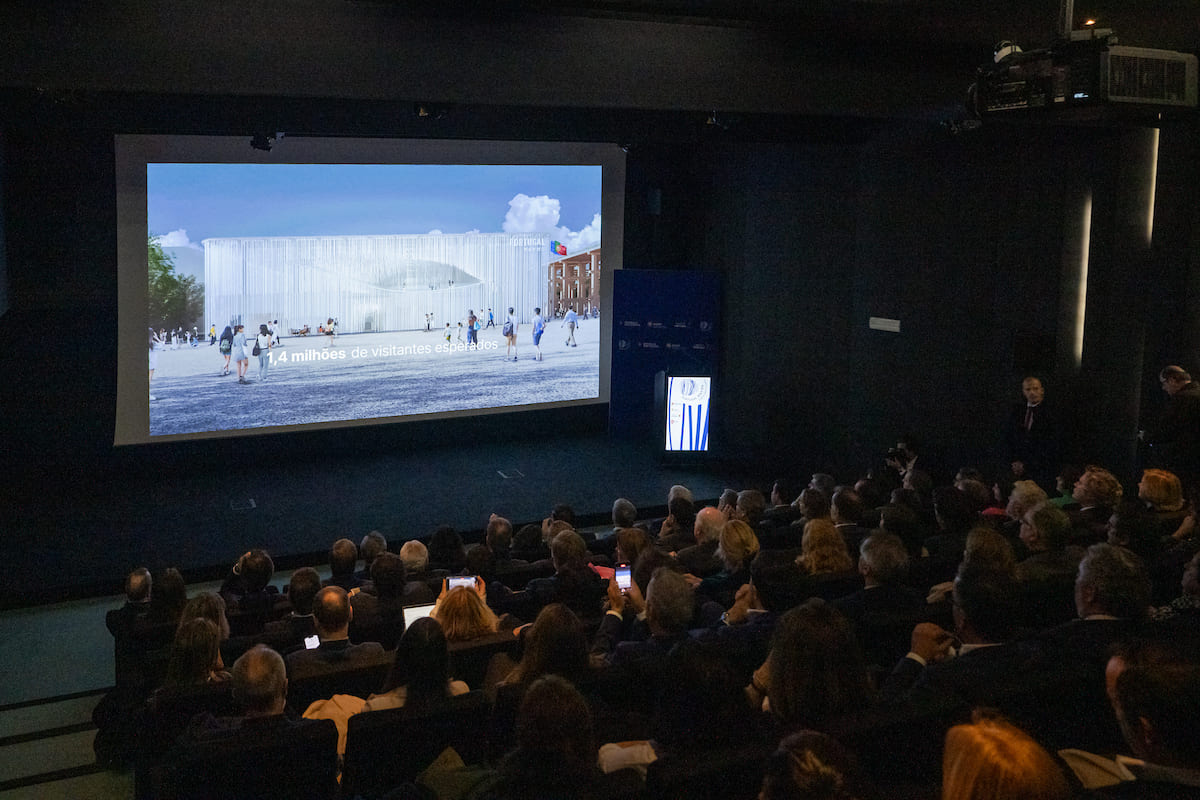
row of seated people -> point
(703, 737)
(739, 614)
(262, 752)
(248, 609)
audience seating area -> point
(1052, 684)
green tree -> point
(174, 300)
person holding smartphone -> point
(463, 612)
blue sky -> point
(187, 203)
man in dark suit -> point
(700, 559)
(675, 532)
(128, 652)
(1112, 600)
(846, 509)
(284, 634)
(138, 585)
(332, 614)
(1048, 573)
(247, 588)
(884, 611)
(1155, 694)
(343, 558)
(1032, 436)
(670, 605)
(371, 546)
(260, 686)
(265, 752)
(498, 538)
(1097, 493)
(1176, 437)
(984, 623)
(379, 608)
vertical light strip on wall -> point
(1153, 189)
(1081, 308)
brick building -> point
(574, 281)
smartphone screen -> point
(623, 576)
(460, 580)
(312, 642)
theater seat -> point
(724, 774)
(385, 749)
(360, 682)
(166, 716)
(469, 660)
(255, 763)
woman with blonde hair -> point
(823, 550)
(736, 548)
(737, 545)
(1025, 496)
(991, 759)
(463, 614)
(1162, 494)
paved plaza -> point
(362, 376)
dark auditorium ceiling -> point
(862, 58)
(1166, 24)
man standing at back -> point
(1176, 438)
(1033, 436)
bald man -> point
(701, 558)
(332, 613)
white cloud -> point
(177, 238)
(586, 238)
(529, 214)
(541, 214)
(435, 232)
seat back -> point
(297, 763)
(725, 774)
(387, 748)
(360, 682)
(469, 660)
(165, 717)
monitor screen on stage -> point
(687, 404)
(334, 282)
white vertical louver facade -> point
(373, 283)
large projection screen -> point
(366, 259)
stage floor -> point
(81, 541)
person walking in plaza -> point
(539, 327)
(263, 344)
(510, 333)
(570, 320)
(155, 344)
(226, 348)
(239, 352)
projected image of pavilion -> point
(372, 283)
